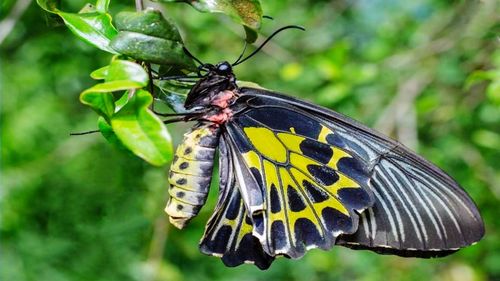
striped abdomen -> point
(191, 173)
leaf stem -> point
(151, 85)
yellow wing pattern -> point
(309, 187)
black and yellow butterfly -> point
(295, 176)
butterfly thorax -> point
(209, 90)
(214, 93)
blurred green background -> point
(73, 208)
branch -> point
(9, 22)
(139, 6)
(397, 112)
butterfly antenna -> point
(269, 39)
(242, 53)
(188, 53)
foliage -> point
(144, 36)
(425, 72)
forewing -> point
(301, 190)
(418, 211)
(228, 234)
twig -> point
(157, 245)
(406, 128)
(139, 6)
(9, 22)
(401, 105)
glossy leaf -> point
(48, 5)
(149, 22)
(119, 103)
(102, 6)
(173, 94)
(245, 12)
(101, 101)
(109, 135)
(119, 75)
(174, 100)
(151, 49)
(94, 27)
(113, 86)
(123, 70)
(100, 73)
(141, 131)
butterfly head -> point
(223, 68)
(218, 78)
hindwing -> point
(295, 176)
(418, 209)
(228, 233)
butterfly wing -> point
(418, 209)
(300, 190)
(228, 233)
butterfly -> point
(294, 176)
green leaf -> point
(173, 94)
(100, 73)
(174, 100)
(122, 101)
(100, 101)
(113, 86)
(493, 92)
(141, 131)
(109, 135)
(152, 49)
(102, 6)
(48, 5)
(485, 138)
(480, 76)
(119, 75)
(245, 12)
(149, 22)
(123, 70)
(94, 27)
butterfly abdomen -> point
(191, 173)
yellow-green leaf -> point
(141, 131)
